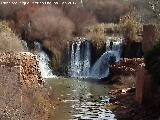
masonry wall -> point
(21, 96)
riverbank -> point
(79, 99)
(124, 106)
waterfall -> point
(101, 67)
(43, 63)
(43, 59)
(116, 48)
(80, 65)
(80, 58)
(87, 59)
(24, 44)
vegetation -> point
(54, 25)
(147, 9)
(96, 34)
(107, 11)
(152, 60)
(8, 40)
(131, 27)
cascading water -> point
(43, 63)
(101, 67)
(43, 59)
(24, 44)
(115, 47)
(80, 58)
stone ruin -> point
(20, 87)
(26, 64)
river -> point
(80, 99)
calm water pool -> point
(80, 100)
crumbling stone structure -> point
(21, 95)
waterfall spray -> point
(43, 63)
(80, 58)
(43, 59)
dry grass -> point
(98, 33)
(8, 40)
(131, 27)
(98, 29)
(81, 19)
(107, 10)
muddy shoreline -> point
(125, 107)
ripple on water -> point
(92, 111)
(79, 100)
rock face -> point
(132, 50)
(126, 66)
(20, 91)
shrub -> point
(8, 11)
(8, 40)
(81, 19)
(131, 27)
(107, 10)
(49, 25)
(152, 60)
(96, 34)
(22, 20)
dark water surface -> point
(80, 100)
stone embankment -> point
(21, 95)
(26, 63)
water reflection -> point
(80, 100)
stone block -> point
(144, 86)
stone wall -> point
(21, 95)
(27, 64)
(144, 86)
(144, 82)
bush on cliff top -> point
(8, 40)
(131, 27)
